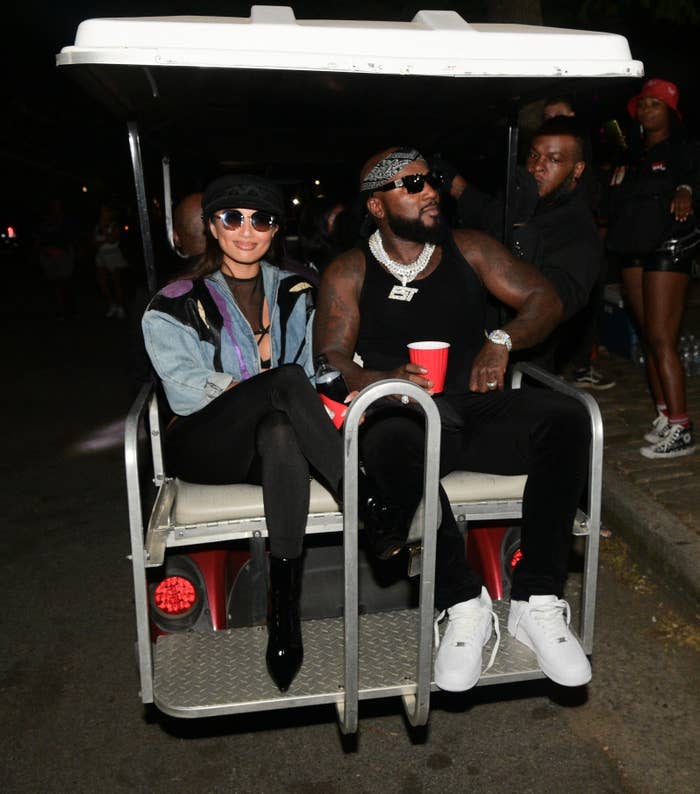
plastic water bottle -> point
(695, 357)
(686, 356)
(332, 389)
(636, 351)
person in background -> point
(320, 238)
(583, 351)
(652, 229)
(231, 343)
(189, 237)
(557, 106)
(320, 225)
(110, 262)
(55, 241)
(553, 228)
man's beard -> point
(561, 191)
(415, 230)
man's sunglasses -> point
(414, 183)
(260, 221)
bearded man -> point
(415, 279)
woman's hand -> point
(618, 175)
(682, 203)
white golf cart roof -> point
(434, 43)
(285, 92)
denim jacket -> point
(199, 341)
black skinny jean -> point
(267, 431)
(524, 431)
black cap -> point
(246, 191)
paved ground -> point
(70, 718)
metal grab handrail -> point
(138, 563)
(417, 705)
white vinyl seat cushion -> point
(203, 504)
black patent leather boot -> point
(386, 526)
(285, 650)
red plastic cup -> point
(432, 356)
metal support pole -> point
(142, 205)
(417, 705)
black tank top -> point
(449, 306)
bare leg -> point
(664, 302)
(117, 288)
(103, 283)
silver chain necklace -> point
(401, 272)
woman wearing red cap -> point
(653, 229)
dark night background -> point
(57, 139)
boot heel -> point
(285, 650)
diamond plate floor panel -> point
(198, 675)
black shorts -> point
(673, 256)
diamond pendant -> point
(399, 293)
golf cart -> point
(270, 89)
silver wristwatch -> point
(499, 337)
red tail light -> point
(175, 595)
(11, 232)
(515, 559)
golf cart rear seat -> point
(186, 514)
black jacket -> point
(639, 208)
(560, 238)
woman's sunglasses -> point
(260, 221)
(414, 183)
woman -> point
(653, 229)
(231, 344)
(110, 262)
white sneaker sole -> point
(575, 678)
(649, 452)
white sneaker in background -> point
(675, 443)
(542, 623)
(458, 660)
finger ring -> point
(491, 384)
(404, 399)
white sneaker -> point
(659, 428)
(675, 443)
(458, 660)
(542, 623)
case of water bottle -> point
(689, 351)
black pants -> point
(267, 431)
(525, 431)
